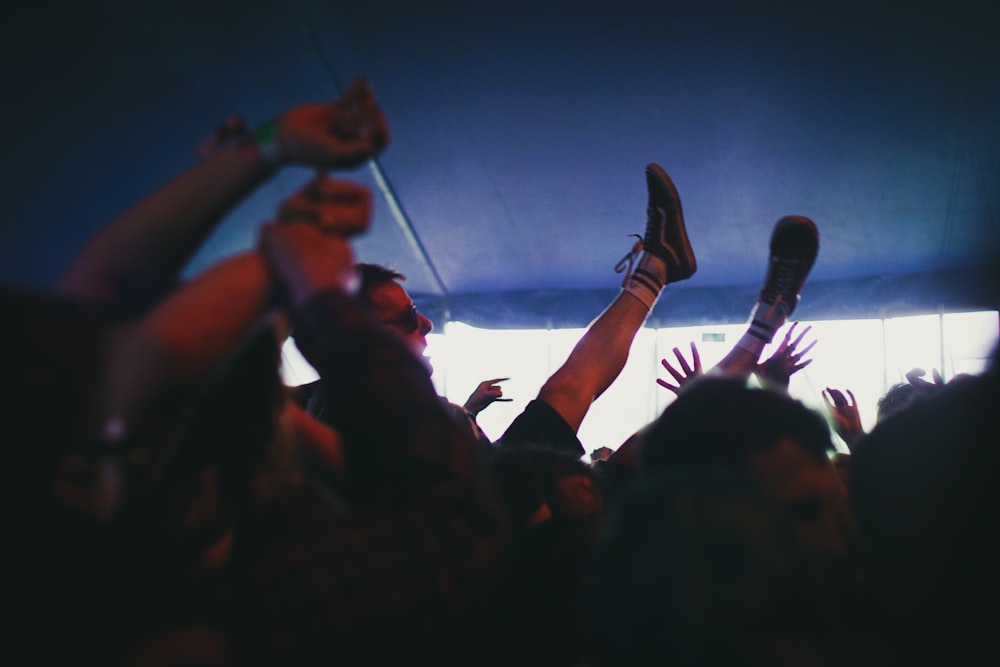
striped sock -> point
(765, 320)
(646, 282)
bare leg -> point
(601, 353)
(596, 360)
(794, 245)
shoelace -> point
(627, 262)
(785, 272)
(654, 216)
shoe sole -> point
(795, 236)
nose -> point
(425, 324)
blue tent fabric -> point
(882, 296)
(520, 133)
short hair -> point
(700, 567)
(528, 475)
(715, 423)
(373, 275)
(894, 400)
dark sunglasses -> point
(408, 322)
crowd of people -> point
(171, 502)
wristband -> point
(261, 146)
(265, 138)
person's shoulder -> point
(465, 421)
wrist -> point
(265, 140)
(260, 148)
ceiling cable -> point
(395, 207)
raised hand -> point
(846, 418)
(486, 394)
(324, 213)
(335, 206)
(334, 135)
(601, 454)
(305, 261)
(690, 371)
(786, 361)
(916, 378)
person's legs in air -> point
(794, 245)
(602, 351)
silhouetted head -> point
(895, 399)
(724, 425)
(382, 289)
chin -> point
(420, 352)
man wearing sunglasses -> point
(382, 289)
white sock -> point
(765, 320)
(646, 282)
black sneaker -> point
(794, 245)
(666, 236)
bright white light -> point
(295, 370)
(865, 356)
(849, 354)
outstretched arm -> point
(486, 394)
(742, 360)
(846, 418)
(786, 360)
(691, 371)
(167, 354)
(137, 256)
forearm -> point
(143, 249)
(850, 435)
(206, 319)
(162, 358)
(737, 362)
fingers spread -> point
(837, 397)
(798, 339)
(667, 385)
(682, 361)
(808, 347)
(673, 371)
(788, 334)
(696, 357)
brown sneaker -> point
(794, 246)
(666, 236)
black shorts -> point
(540, 425)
